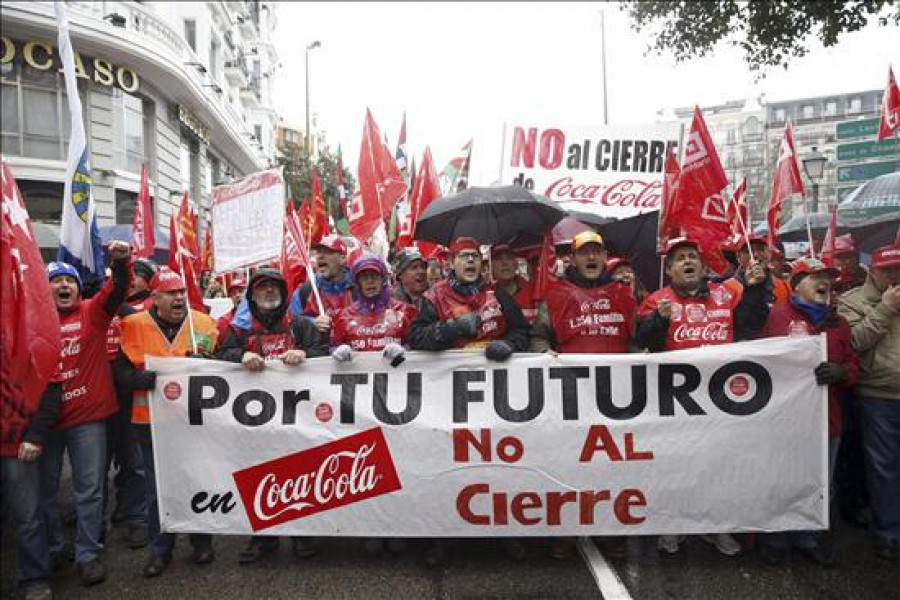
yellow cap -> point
(586, 237)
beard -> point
(269, 305)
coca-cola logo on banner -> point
(346, 471)
(711, 332)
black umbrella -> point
(491, 215)
(795, 229)
(635, 239)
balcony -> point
(236, 71)
(252, 93)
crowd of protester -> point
(468, 297)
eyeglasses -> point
(467, 256)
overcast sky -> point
(460, 70)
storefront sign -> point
(193, 123)
(43, 56)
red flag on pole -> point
(428, 189)
(142, 234)
(294, 255)
(545, 267)
(827, 252)
(319, 219)
(785, 183)
(207, 262)
(28, 315)
(737, 214)
(667, 226)
(380, 183)
(890, 108)
(182, 257)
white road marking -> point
(611, 587)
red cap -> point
(237, 282)
(167, 280)
(333, 243)
(886, 256)
(809, 265)
(498, 249)
(464, 243)
(614, 263)
(678, 242)
(843, 244)
(754, 237)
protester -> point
(621, 270)
(846, 259)
(412, 276)
(873, 312)
(23, 441)
(464, 311)
(778, 290)
(435, 271)
(809, 313)
(333, 282)
(168, 328)
(585, 312)
(88, 399)
(274, 334)
(236, 288)
(504, 272)
(777, 265)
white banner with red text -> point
(716, 439)
(611, 171)
(248, 221)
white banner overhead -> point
(248, 221)
(611, 171)
(717, 439)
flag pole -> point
(181, 263)
(737, 210)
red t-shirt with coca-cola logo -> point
(696, 321)
(88, 393)
(597, 320)
(371, 332)
(450, 305)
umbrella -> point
(594, 220)
(795, 229)
(635, 238)
(872, 212)
(491, 215)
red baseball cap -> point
(886, 256)
(464, 243)
(678, 242)
(237, 282)
(753, 237)
(843, 244)
(167, 280)
(616, 262)
(809, 265)
(333, 243)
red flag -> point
(699, 207)
(737, 213)
(785, 183)
(428, 189)
(545, 267)
(142, 234)
(667, 227)
(304, 218)
(380, 183)
(827, 252)
(30, 322)
(294, 255)
(207, 262)
(890, 108)
(319, 219)
(182, 258)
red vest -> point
(330, 302)
(371, 332)
(697, 321)
(88, 393)
(524, 297)
(270, 344)
(591, 320)
(450, 305)
(223, 324)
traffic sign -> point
(866, 171)
(873, 149)
(856, 129)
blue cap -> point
(55, 269)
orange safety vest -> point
(141, 336)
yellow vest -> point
(141, 336)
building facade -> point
(184, 88)
(842, 127)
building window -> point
(125, 202)
(131, 123)
(214, 59)
(855, 105)
(190, 33)
(779, 115)
(809, 111)
(190, 167)
(35, 113)
(257, 133)
(831, 108)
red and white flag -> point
(184, 253)
(427, 190)
(294, 254)
(737, 214)
(890, 108)
(142, 234)
(828, 244)
(30, 322)
(380, 183)
(785, 183)
(318, 217)
(667, 227)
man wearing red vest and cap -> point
(333, 281)
(465, 311)
(88, 399)
(809, 313)
(166, 329)
(504, 272)
(873, 312)
(693, 312)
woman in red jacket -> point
(808, 312)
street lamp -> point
(814, 166)
(315, 44)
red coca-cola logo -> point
(711, 332)
(625, 193)
(739, 385)
(346, 471)
(172, 390)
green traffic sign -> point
(873, 149)
(855, 129)
(867, 171)
(842, 193)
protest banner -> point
(612, 171)
(715, 439)
(247, 221)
